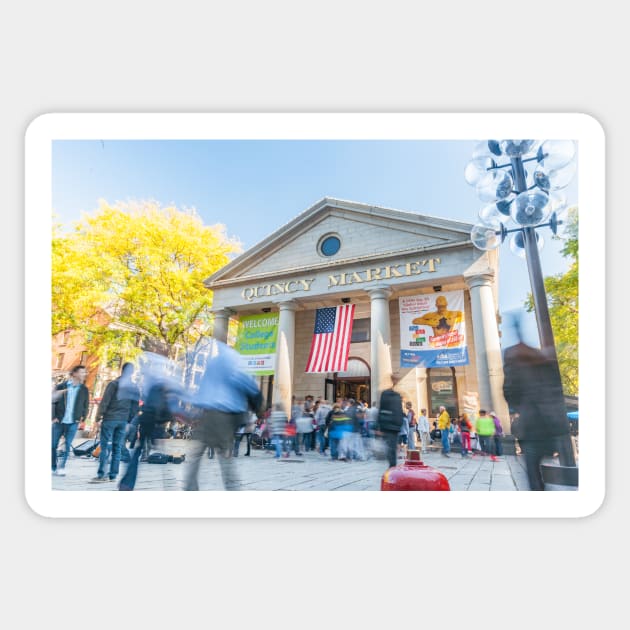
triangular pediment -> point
(366, 232)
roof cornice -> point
(306, 217)
(215, 284)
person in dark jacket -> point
(118, 407)
(390, 420)
(532, 388)
(161, 393)
(71, 401)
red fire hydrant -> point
(413, 474)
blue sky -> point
(255, 186)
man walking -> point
(226, 396)
(118, 407)
(444, 425)
(532, 388)
(70, 408)
(390, 420)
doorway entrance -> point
(443, 391)
(353, 383)
(357, 388)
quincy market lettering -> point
(346, 278)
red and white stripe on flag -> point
(331, 339)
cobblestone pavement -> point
(311, 471)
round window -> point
(330, 246)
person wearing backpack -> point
(118, 407)
(390, 420)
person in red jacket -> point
(291, 441)
(465, 427)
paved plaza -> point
(310, 471)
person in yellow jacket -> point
(444, 424)
(485, 430)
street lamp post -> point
(498, 172)
(534, 267)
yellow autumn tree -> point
(131, 275)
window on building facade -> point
(360, 330)
(329, 245)
(60, 360)
(65, 338)
(83, 359)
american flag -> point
(331, 339)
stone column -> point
(221, 323)
(487, 346)
(421, 391)
(283, 379)
(380, 334)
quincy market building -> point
(377, 259)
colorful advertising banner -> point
(256, 343)
(433, 330)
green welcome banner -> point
(256, 343)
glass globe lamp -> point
(548, 179)
(485, 236)
(477, 168)
(554, 154)
(530, 208)
(516, 148)
(494, 185)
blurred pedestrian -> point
(371, 420)
(117, 408)
(69, 409)
(424, 430)
(498, 434)
(403, 436)
(390, 420)
(444, 425)
(245, 431)
(304, 426)
(291, 438)
(485, 430)
(533, 390)
(465, 427)
(340, 424)
(278, 421)
(323, 410)
(226, 396)
(160, 394)
(413, 425)
(296, 408)
(456, 436)
(351, 445)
